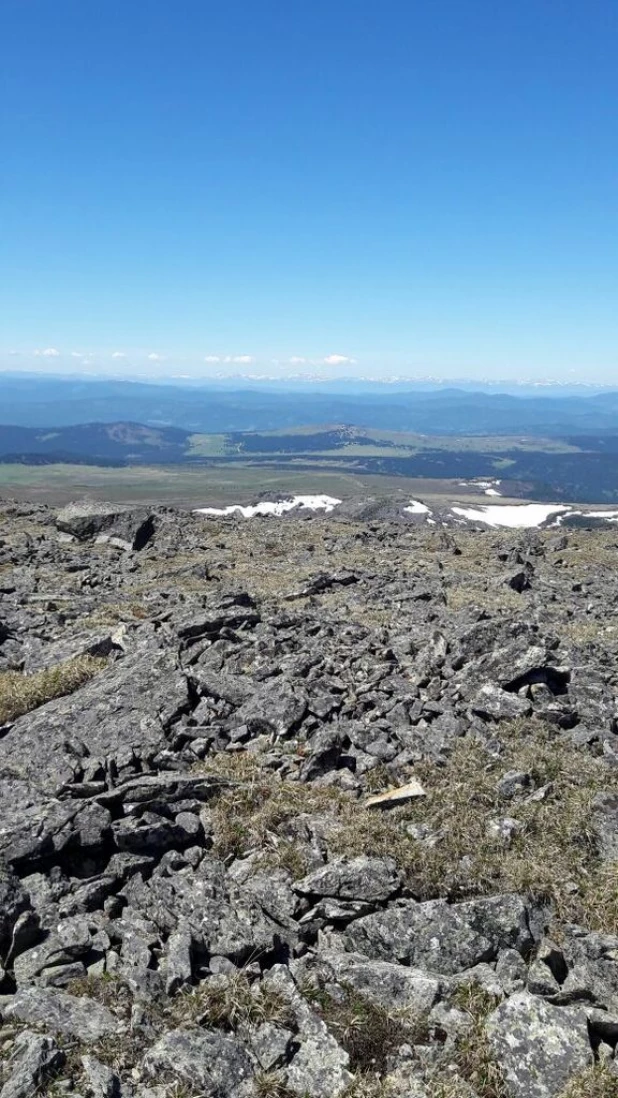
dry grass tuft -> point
(21, 693)
(369, 1033)
(551, 855)
(370, 1086)
(492, 599)
(254, 815)
(227, 1002)
(116, 612)
(271, 1084)
(599, 1081)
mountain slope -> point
(206, 890)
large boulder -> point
(537, 1046)
(124, 708)
(389, 985)
(441, 937)
(125, 527)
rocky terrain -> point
(321, 808)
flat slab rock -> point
(362, 878)
(389, 985)
(33, 825)
(60, 1012)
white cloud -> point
(212, 358)
(297, 360)
(49, 352)
(119, 354)
(154, 357)
(338, 360)
(246, 359)
(77, 354)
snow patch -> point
(488, 487)
(280, 507)
(417, 508)
(522, 516)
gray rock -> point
(276, 706)
(220, 917)
(91, 642)
(32, 1059)
(537, 1046)
(484, 976)
(541, 980)
(102, 1081)
(319, 1067)
(124, 708)
(513, 783)
(62, 1013)
(362, 878)
(605, 819)
(216, 1064)
(271, 1044)
(178, 967)
(125, 527)
(491, 701)
(588, 969)
(390, 985)
(511, 970)
(440, 937)
(13, 902)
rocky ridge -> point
(317, 808)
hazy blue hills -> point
(94, 443)
(50, 402)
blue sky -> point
(300, 185)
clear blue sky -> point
(421, 187)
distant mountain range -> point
(51, 402)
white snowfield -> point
(280, 507)
(516, 516)
(521, 516)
